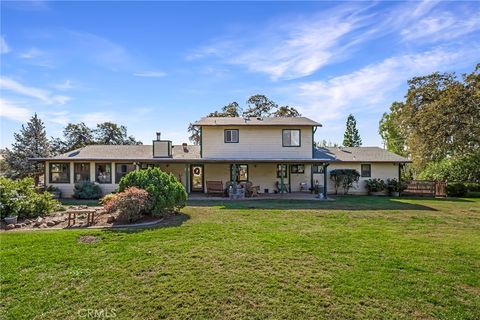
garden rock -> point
(110, 219)
(27, 221)
(43, 225)
(18, 225)
(39, 221)
(50, 223)
(10, 227)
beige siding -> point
(255, 142)
(379, 170)
(177, 169)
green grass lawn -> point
(357, 257)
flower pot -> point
(10, 220)
(395, 194)
(377, 193)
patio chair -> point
(251, 190)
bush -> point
(472, 186)
(109, 197)
(375, 185)
(87, 190)
(20, 198)
(456, 169)
(456, 189)
(130, 204)
(166, 192)
(344, 178)
(393, 185)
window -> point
(59, 172)
(291, 137)
(231, 135)
(241, 172)
(366, 170)
(122, 169)
(297, 168)
(281, 170)
(317, 169)
(103, 172)
(81, 172)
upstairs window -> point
(291, 137)
(59, 172)
(366, 170)
(81, 172)
(231, 136)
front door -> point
(196, 178)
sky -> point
(157, 66)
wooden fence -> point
(425, 188)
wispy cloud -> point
(373, 87)
(93, 118)
(43, 95)
(11, 110)
(150, 74)
(64, 86)
(31, 53)
(4, 48)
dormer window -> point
(231, 136)
(291, 138)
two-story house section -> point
(275, 154)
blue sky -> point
(156, 66)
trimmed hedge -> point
(456, 189)
(166, 192)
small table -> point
(72, 216)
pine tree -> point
(351, 138)
(31, 142)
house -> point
(269, 152)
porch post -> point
(289, 179)
(282, 182)
(325, 165)
(187, 177)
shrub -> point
(375, 185)
(472, 186)
(466, 168)
(106, 199)
(393, 185)
(87, 190)
(130, 204)
(456, 189)
(167, 194)
(20, 198)
(344, 178)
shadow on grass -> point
(349, 203)
(173, 220)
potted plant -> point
(11, 218)
(395, 187)
(56, 193)
(375, 187)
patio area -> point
(261, 196)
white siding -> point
(254, 142)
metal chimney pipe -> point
(158, 136)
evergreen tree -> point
(351, 138)
(31, 142)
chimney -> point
(184, 145)
(158, 136)
(162, 149)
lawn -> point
(357, 257)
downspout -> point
(201, 147)
(325, 180)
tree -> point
(31, 142)
(351, 138)
(194, 136)
(230, 110)
(389, 130)
(75, 136)
(286, 111)
(113, 134)
(439, 118)
(259, 106)
(324, 143)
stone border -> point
(121, 226)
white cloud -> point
(4, 48)
(40, 94)
(150, 74)
(371, 88)
(10, 110)
(66, 85)
(31, 53)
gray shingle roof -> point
(358, 154)
(270, 121)
(127, 152)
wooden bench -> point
(72, 216)
(215, 187)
